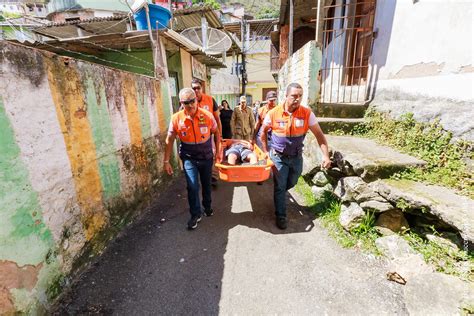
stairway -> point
(339, 117)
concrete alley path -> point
(235, 262)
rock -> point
(437, 294)
(351, 215)
(410, 266)
(351, 189)
(320, 192)
(394, 247)
(384, 231)
(451, 208)
(393, 220)
(368, 159)
(443, 242)
(320, 179)
(342, 164)
(377, 206)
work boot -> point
(193, 222)
(281, 222)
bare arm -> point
(217, 140)
(169, 147)
(323, 144)
(263, 138)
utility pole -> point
(244, 52)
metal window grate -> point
(347, 47)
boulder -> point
(320, 192)
(351, 215)
(410, 266)
(377, 206)
(351, 189)
(437, 294)
(394, 247)
(393, 220)
(451, 208)
(320, 179)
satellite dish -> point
(216, 41)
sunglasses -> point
(188, 102)
(196, 88)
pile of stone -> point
(357, 179)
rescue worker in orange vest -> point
(208, 103)
(194, 126)
(262, 112)
(289, 123)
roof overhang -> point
(134, 40)
(191, 17)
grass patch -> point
(328, 210)
(445, 157)
(444, 258)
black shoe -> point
(193, 222)
(209, 212)
(260, 183)
(282, 222)
(214, 181)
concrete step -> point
(361, 156)
(340, 110)
(331, 124)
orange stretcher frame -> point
(246, 173)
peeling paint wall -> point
(80, 147)
(302, 67)
(424, 48)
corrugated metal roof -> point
(261, 27)
(191, 17)
(88, 27)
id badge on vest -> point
(203, 129)
(299, 122)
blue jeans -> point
(194, 171)
(286, 172)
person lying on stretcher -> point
(240, 150)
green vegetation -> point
(268, 13)
(443, 258)
(328, 209)
(213, 3)
(445, 157)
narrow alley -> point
(235, 262)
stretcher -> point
(244, 172)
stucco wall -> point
(422, 62)
(80, 146)
(302, 67)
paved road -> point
(235, 262)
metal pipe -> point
(318, 20)
(290, 33)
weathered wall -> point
(80, 146)
(225, 85)
(302, 67)
(422, 61)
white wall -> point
(430, 39)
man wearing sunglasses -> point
(289, 123)
(194, 127)
(208, 103)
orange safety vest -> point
(206, 103)
(194, 133)
(289, 129)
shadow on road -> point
(156, 266)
